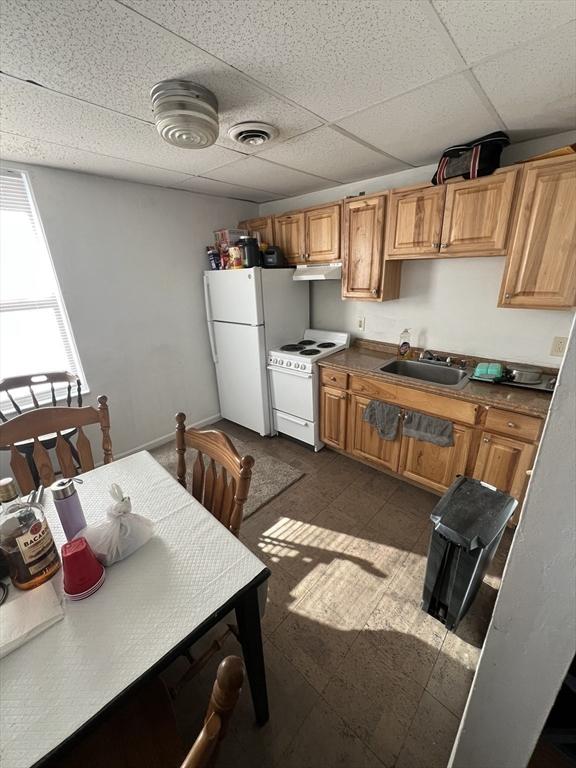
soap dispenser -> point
(404, 344)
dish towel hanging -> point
(383, 417)
(428, 428)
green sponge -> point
(489, 371)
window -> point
(35, 333)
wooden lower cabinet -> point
(503, 463)
(333, 417)
(365, 442)
(432, 465)
(478, 451)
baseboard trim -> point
(165, 438)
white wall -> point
(531, 639)
(448, 304)
(129, 258)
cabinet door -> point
(541, 268)
(365, 442)
(323, 234)
(415, 223)
(263, 226)
(503, 463)
(365, 276)
(477, 216)
(289, 232)
(432, 465)
(333, 404)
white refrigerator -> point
(250, 311)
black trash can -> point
(469, 521)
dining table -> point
(153, 606)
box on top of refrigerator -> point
(229, 236)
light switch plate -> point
(558, 346)
(360, 323)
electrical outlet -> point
(361, 323)
(558, 346)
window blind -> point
(35, 333)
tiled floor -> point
(358, 675)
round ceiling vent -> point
(253, 134)
(186, 114)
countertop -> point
(356, 359)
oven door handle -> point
(288, 371)
(300, 422)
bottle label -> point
(36, 542)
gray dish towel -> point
(383, 417)
(428, 428)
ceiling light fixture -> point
(253, 134)
(185, 113)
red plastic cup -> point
(82, 571)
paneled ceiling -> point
(357, 88)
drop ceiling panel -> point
(534, 87)
(22, 150)
(485, 27)
(332, 57)
(104, 53)
(262, 174)
(221, 189)
(417, 126)
(328, 153)
(33, 112)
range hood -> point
(319, 271)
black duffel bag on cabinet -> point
(480, 157)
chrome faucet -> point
(428, 356)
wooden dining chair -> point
(20, 390)
(19, 393)
(141, 730)
(222, 489)
(51, 423)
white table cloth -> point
(149, 603)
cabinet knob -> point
(443, 245)
(511, 424)
(486, 439)
(435, 245)
(342, 397)
(374, 292)
(507, 296)
(332, 378)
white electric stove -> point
(293, 373)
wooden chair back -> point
(225, 693)
(222, 492)
(46, 422)
(141, 729)
(38, 381)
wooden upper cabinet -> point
(263, 226)
(333, 409)
(477, 215)
(541, 267)
(364, 440)
(436, 466)
(322, 227)
(415, 222)
(290, 236)
(364, 274)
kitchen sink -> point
(435, 374)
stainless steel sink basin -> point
(435, 374)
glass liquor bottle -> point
(25, 539)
